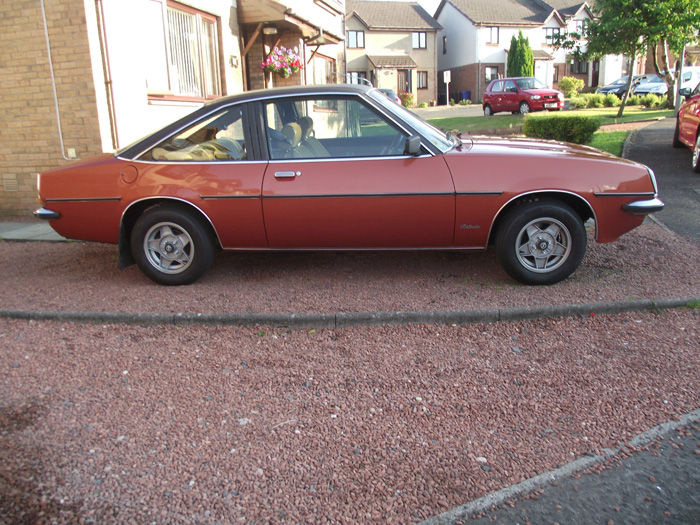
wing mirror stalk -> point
(412, 146)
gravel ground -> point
(647, 263)
(116, 424)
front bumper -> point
(644, 207)
(47, 215)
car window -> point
(215, 138)
(696, 91)
(497, 86)
(511, 87)
(330, 127)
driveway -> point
(679, 187)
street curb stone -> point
(350, 319)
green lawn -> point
(607, 116)
(611, 142)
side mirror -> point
(684, 92)
(412, 146)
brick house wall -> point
(28, 125)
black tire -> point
(676, 135)
(488, 112)
(696, 154)
(171, 246)
(524, 108)
(541, 242)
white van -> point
(691, 77)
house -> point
(476, 36)
(81, 77)
(392, 45)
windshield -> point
(530, 83)
(440, 140)
(620, 81)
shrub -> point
(576, 129)
(634, 100)
(611, 101)
(578, 103)
(452, 102)
(653, 101)
(594, 100)
(423, 105)
(406, 99)
(465, 102)
(571, 86)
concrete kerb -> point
(498, 498)
(352, 319)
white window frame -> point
(353, 39)
(550, 33)
(491, 32)
(419, 40)
(188, 40)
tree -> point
(630, 27)
(521, 62)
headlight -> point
(535, 97)
(560, 96)
(658, 89)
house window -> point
(357, 77)
(551, 35)
(444, 45)
(321, 70)
(355, 39)
(579, 67)
(580, 26)
(490, 72)
(492, 35)
(422, 80)
(556, 74)
(182, 52)
(420, 40)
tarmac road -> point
(679, 186)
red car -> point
(520, 95)
(688, 125)
(333, 167)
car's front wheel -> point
(696, 154)
(488, 111)
(524, 108)
(541, 242)
(171, 246)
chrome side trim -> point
(227, 197)
(357, 195)
(80, 199)
(346, 159)
(178, 199)
(479, 193)
(47, 215)
(644, 194)
(189, 162)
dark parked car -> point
(688, 125)
(619, 87)
(304, 168)
(520, 95)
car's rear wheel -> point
(171, 246)
(524, 108)
(696, 154)
(541, 242)
(488, 111)
(677, 135)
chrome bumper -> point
(644, 207)
(47, 215)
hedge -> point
(577, 129)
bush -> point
(578, 103)
(406, 99)
(423, 105)
(611, 101)
(653, 101)
(571, 86)
(634, 100)
(594, 100)
(568, 129)
(465, 102)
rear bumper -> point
(644, 207)
(47, 215)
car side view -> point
(341, 167)
(687, 131)
(520, 95)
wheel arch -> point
(139, 207)
(580, 205)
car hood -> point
(536, 91)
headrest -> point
(307, 127)
(292, 132)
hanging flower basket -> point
(283, 61)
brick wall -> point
(29, 138)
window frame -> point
(422, 80)
(355, 33)
(490, 68)
(420, 38)
(490, 33)
(549, 34)
(209, 80)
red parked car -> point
(520, 95)
(332, 167)
(688, 125)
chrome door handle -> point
(286, 174)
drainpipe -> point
(53, 84)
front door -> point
(404, 80)
(346, 183)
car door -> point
(496, 95)
(343, 181)
(510, 97)
(689, 117)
